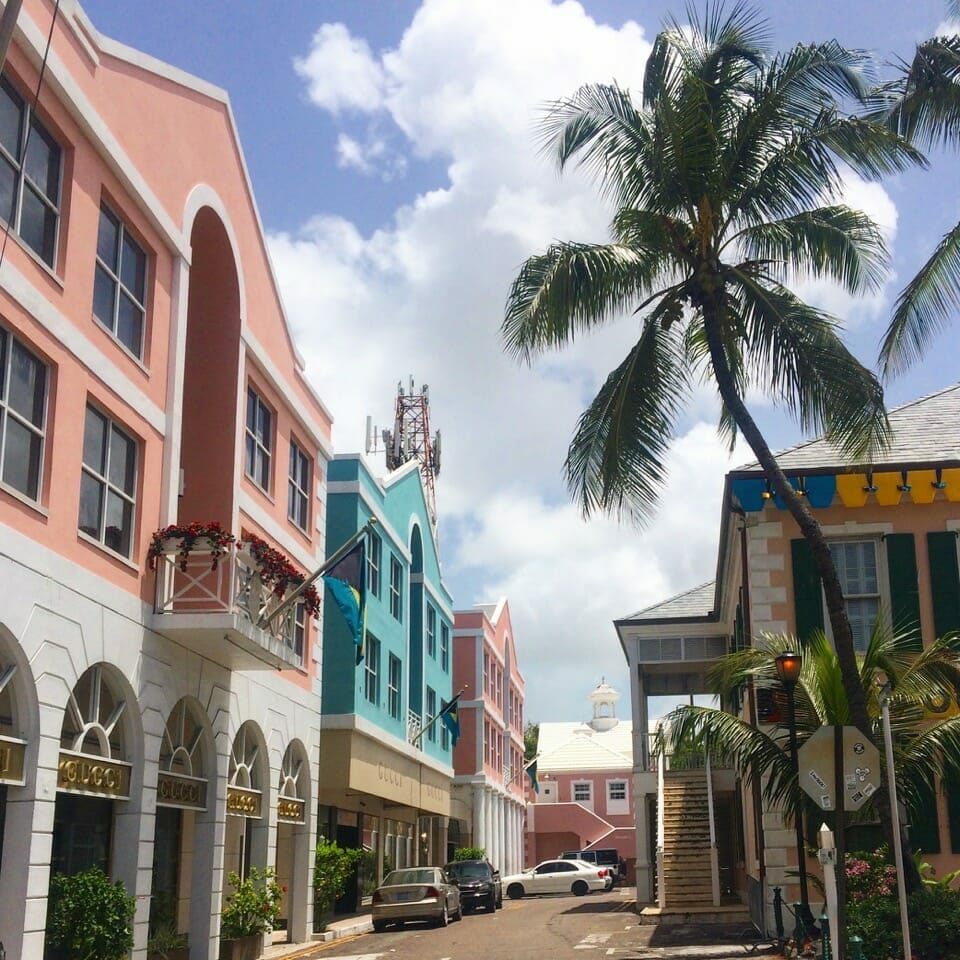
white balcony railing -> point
(195, 591)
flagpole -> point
(288, 602)
(446, 709)
(522, 770)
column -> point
(476, 833)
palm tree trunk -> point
(833, 592)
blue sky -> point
(391, 148)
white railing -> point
(234, 586)
(714, 857)
(661, 834)
(413, 726)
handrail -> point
(661, 833)
(714, 856)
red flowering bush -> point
(278, 573)
(870, 875)
(254, 905)
(188, 535)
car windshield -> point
(468, 871)
(397, 877)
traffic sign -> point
(861, 768)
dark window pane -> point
(43, 163)
(21, 459)
(28, 378)
(263, 470)
(249, 455)
(119, 521)
(11, 118)
(107, 237)
(94, 440)
(263, 426)
(122, 462)
(130, 324)
(38, 226)
(3, 363)
(251, 410)
(91, 505)
(104, 296)
(133, 268)
(8, 186)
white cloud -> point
(341, 72)
(372, 157)
(424, 296)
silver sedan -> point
(415, 893)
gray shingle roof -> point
(697, 602)
(919, 436)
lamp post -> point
(788, 670)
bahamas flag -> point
(532, 774)
(450, 715)
(347, 583)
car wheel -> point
(492, 901)
(459, 914)
(500, 900)
(379, 926)
(515, 891)
(579, 887)
(444, 917)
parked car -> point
(415, 893)
(557, 876)
(479, 883)
(607, 857)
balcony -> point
(224, 612)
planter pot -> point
(180, 953)
(242, 948)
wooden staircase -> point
(687, 857)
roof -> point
(918, 437)
(568, 747)
(698, 602)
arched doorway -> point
(178, 857)
(93, 773)
(246, 833)
(293, 840)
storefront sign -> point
(243, 803)
(12, 753)
(187, 793)
(291, 810)
(80, 773)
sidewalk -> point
(349, 926)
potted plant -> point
(332, 868)
(188, 536)
(90, 917)
(277, 573)
(250, 912)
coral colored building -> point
(893, 531)
(163, 725)
(584, 771)
(488, 791)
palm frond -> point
(924, 307)
(615, 462)
(573, 287)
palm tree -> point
(726, 185)
(924, 752)
(924, 105)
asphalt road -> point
(535, 928)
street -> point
(547, 927)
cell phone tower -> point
(410, 440)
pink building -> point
(488, 786)
(163, 725)
(585, 771)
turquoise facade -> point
(408, 666)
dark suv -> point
(479, 883)
(603, 857)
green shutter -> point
(807, 594)
(944, 582)
(904, 590)
(951, 787)
(924, 823)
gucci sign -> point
(12, 754)
(291, 810)
(77, 773)
(187, 793)
(243, 803)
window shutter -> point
(807, 593)
(944, 581)
(904, 590)
(951, 787)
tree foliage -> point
(89, 916)
(332, 868)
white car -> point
(557, 876)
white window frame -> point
(8, 344)
(258, 452)
(588, 800)
(444, 647)
(371, 674)
(396, 588)
(107, 486)
(883, 583)
(432, 701)
(393, 686)
(618, 805)
(298, 487)
(431, 631)
(374, 562)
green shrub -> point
(90, 917)
(470, 853)
(332, 867)
(934, 925)
(254, 905)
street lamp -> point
(788, 670)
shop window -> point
(108, 483)
(23, 407)
(120, 283)
(31, 164)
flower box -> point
(242, 948)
